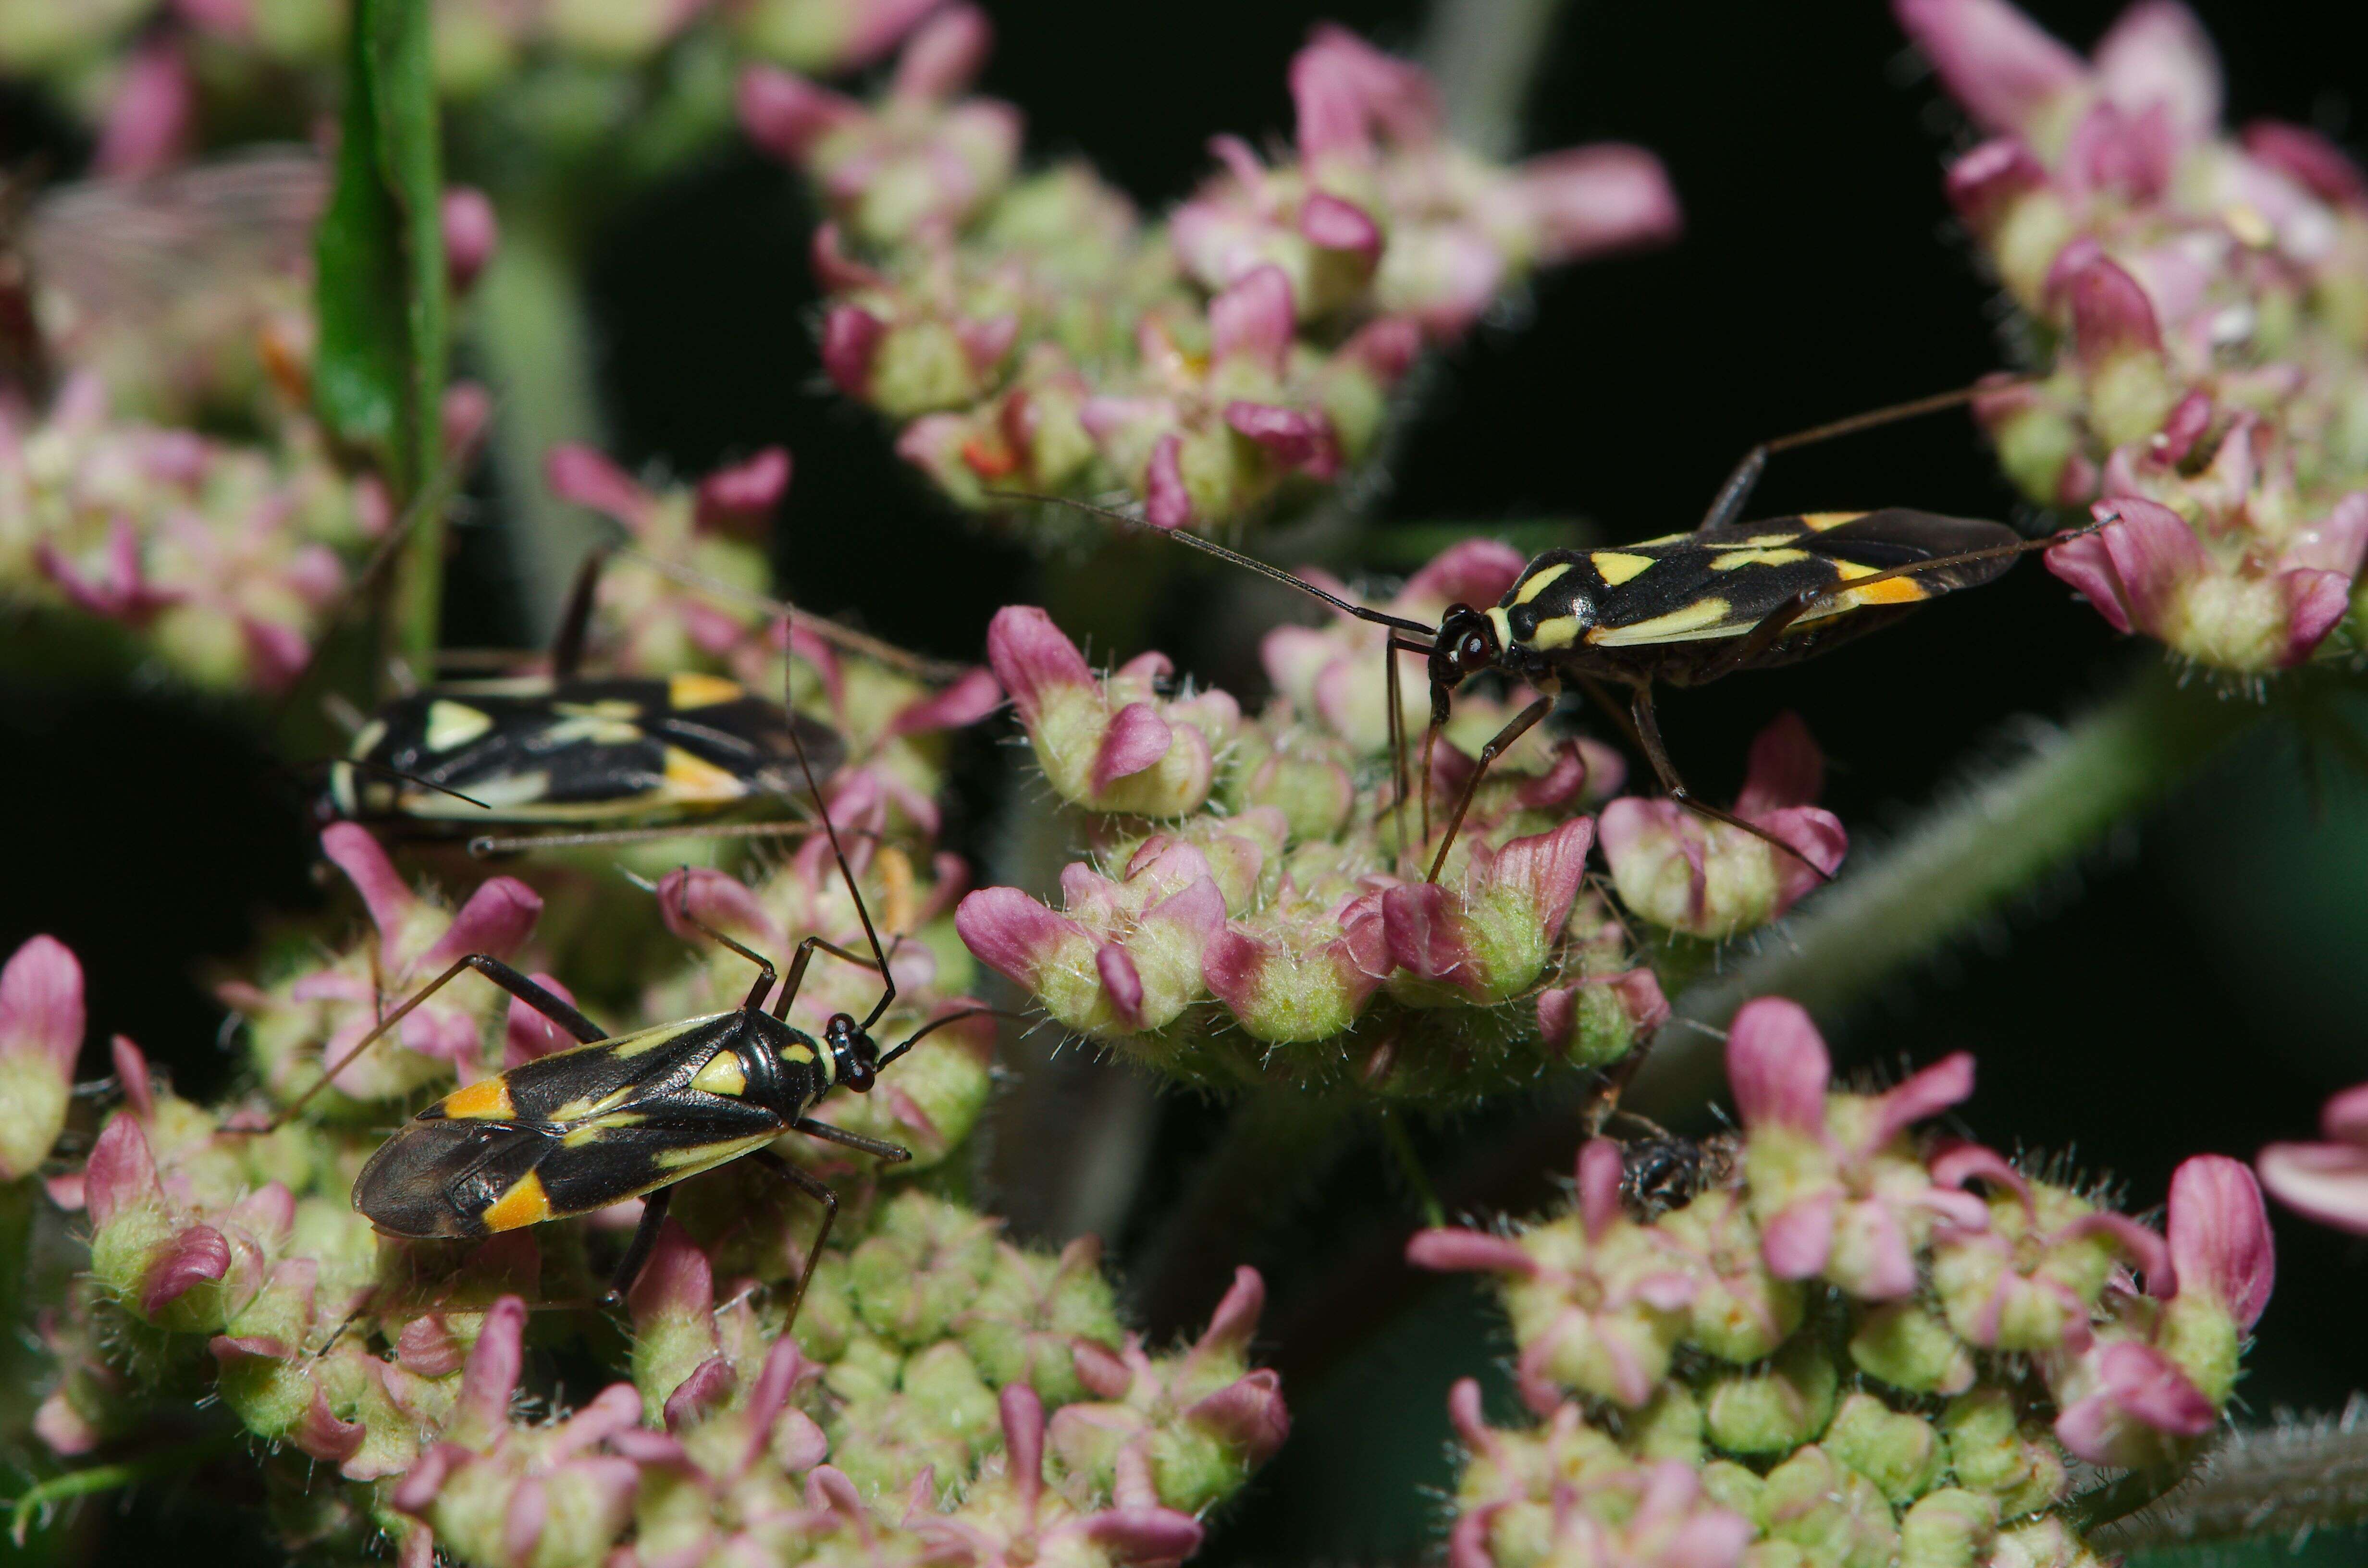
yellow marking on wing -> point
(366, 738)
(587, 723)
(1665, 538)
(634, 1045)
(1695, 620)
(1618, 567)
(691, 1161)
(452, 724)
(525, 1203)
(694, 690)
(1890, 591)
(583, 1109)
(689, 778)
(1764, 541)
(505, 793)
(1818, 522)
(1504, 625)
(1537, 582)
(1735, 558)
(797, 1053)
(721, 1075)
(598, 1128)
(1559, 633)
(488, 1099)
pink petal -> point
(320, 1434)
(2328, 1182)
(426, 1345)
(418, 1491)
(1166, 503)
(1295, 440)
(1011, 932)
(1926, 1093)
(833, 269)
(1122, 983)
(1344, 90)
(119, 1172)
(197, 1255)
(2087, 566)
(973, 694)
(584, 475)
(941, 58)
(41, 1004)
(1821, 841)
(1023, 1442)
(1032, 658)
(1421, 933)
(1785, 768)
(1248, 1413)
(744, 493)
(1778, 1066)
(851, 337)
(1589, 200)
(2309, 158)
(1236, 1319)
(470, 232)
(1889, 1268)
(1137, 738)
(1329, 222)
(148, 123)
(1991, 57)
(1985, 181)
(522, 1520)
(1601, 1173)
(497, 919)
(2111, 314)
(1797, 1243)
(2314, 602)
(1449, 1250)
(2339, 543)
(492, 1373)
(677, 1281)
(1473, 572)
(2157, 55)
(387, 896)
(785, 114)
(1254, 319)
(1145, 1535)
(1558, 1016)
(2345, 1115)
(1386, 346)
(1958, 1163)
(2147, 1386)
(1104, 1373)
(2219, 1234)
(1548, 867)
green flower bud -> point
(2021, 1466)
(1949, 1528)
(1669, 1428)
(1033, 1311)
(1909, 1347)
(1828, 1508)
(921, 1267)
(1899, 1452)
(1781, 1407)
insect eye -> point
(1474, 648)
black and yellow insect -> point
(1682, 610)
(668, 755)
(629, 1117)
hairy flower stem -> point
(1486, 54)
(530, 329)
(1961, 863)
(2267, 1484)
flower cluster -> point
(2197, 295)
(1860, 1345)
(1030, 333)
(1259, 890)
(222, 558)
(147, 74)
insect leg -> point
(575, 622)
(487, 847)
(895, 1153)
(1401, 644)
(492, 968)
(1522, 724)
(1731, 495)
(804, 956)
(887, 981)
(637, 1252)
(1649, 734)
(765, 974)
(819, 1189)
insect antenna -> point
(396, 773)
(887, 981)
(936, 1024)
(1247, 563)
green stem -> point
(530, 331)
(1401, 1148)
(1963, 861)
(1484, 54)
(2267, 1484)
(100, 1478)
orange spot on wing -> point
(691, 689)
(1891, 591)
(489, 1098)
(524, 1204)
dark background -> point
(2196, 985)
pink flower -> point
(1674, 1524)
(1487, 937)
(1708, 879)
(1596, 1305)
(2327, 1181)
(1997, 63)
(1836, 1184)
(1123, 958)
(2126, 1404)
(41, 1021)
(2027, 1280)
(1110, 744)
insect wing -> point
(1719, 583)
(564, 1135)
(535, 751)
